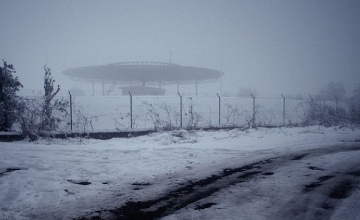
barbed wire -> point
(65, 93)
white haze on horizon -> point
(271, 47)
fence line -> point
(161, 111)
(99, 113)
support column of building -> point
(196, 87)
(93, 87)
(103, 87)
(159, 87)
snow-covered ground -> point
(64, 179)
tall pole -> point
(180, 110)
(221, 58)
(219, 108)
(71, 120)
(253, 119)
(131, 121)
(283, 109)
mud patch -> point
(299, 157)
(266, 161)
(205, 206)
(321, 179)
(315, 168)
(184, 195)
(342, 190)
(310, 186)
(324, 178)
(8, 170)
(327, 206)
(83, 183)
(133, 210)
(248, 174)
(193, 191)
(230, 171)
(354, 173)
(141, 184)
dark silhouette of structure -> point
(137, 75)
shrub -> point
(40, 116)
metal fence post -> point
(283, 109)
(131, 121)
(71, 119)
(180, 109)
(253, 119)
(219, 107)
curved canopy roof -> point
(167, 73)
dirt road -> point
(316, 184)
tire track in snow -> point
(322, 197)
(197, 190)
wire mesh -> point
(92, 113)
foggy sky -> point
(277, 47)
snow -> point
(269, 198)
(39, 180)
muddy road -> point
(317, 183)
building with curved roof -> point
(143, 73)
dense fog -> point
(267, 47)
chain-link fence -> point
(94, 113)
(109, 113)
